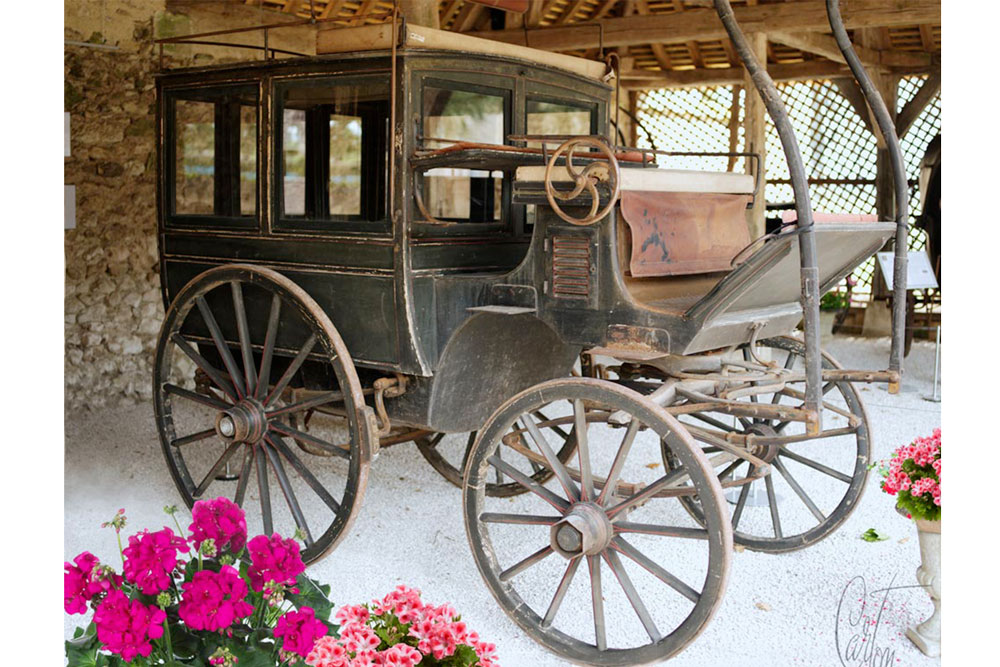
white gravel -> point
(778, 609)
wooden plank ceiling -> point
(680, 57)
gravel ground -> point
(777, 609)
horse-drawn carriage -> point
(429, 238)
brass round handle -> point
(587, 178)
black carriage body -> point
(472, 310)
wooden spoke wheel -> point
(448, 453)
(814, 482)
(251, 334)
(602, 538)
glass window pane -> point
(554, 118)
(459, 115)
(334, 138)
(463, 116)
(294, 161)
(194, 157)
(345, 165)
(248, 159)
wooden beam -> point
(659, 52)
(704, 24)
(641, 79)
(570, 12)
(467, 17)
(332, 9)
(912, 109)
(826, 46)
(421, 12)
(755, 134)
(851, 91)
(603, 9)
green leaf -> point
(872, 535)
(312, 594)
(253, 657)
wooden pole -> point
(755, 134)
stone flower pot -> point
(927, 635)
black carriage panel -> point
(211, 156)
(331, 139)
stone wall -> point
(112, 304)
(113, 307)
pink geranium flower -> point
(401, 655)
(125, 627)
(150, 558)
(274, 559)
(213, 600)
(85, 581)
(299, 631)
(219, 519)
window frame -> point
(359, 223)
(198, 220)
(459, 81)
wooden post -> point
(755, 133)
(421, 12)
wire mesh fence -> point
(838, 150)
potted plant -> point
(913, 475)
(830, 306)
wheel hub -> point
(584, 530)
(244, 422)
(766, 453)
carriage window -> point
(469, 195)
(214, 151)
(333, 145)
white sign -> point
(919, 273)
(65, 134)
(69, 204)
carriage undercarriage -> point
(573, 383)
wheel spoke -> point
(206, 367)
(308, 404)
(663, 531)
(597, 602)
(647, 564)
(583, 451)
(714, 422)
(209, 401)
(289, 493)
(648, 492)
(815, 465)
(730, 468)
(625, 582)
(619, 462)
(520, 519)
(742, 501)
(291, 370)
(555, 464)
(279, 444)
(528, 483)
(267, 356)
(523, 565)
(249, 370)
(265, 492)
(772, 503)
(799, 491)
(296, 434)
(219, 465)
(222, 346)
(567, 579)
(241, 486)
(194, 437)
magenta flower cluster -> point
(214, 600)
(151, 558)
(221, 520)
(85, 581)
(420, 631)
(125, 626)
(274, 559)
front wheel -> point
(609, 512)
(249, 333)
